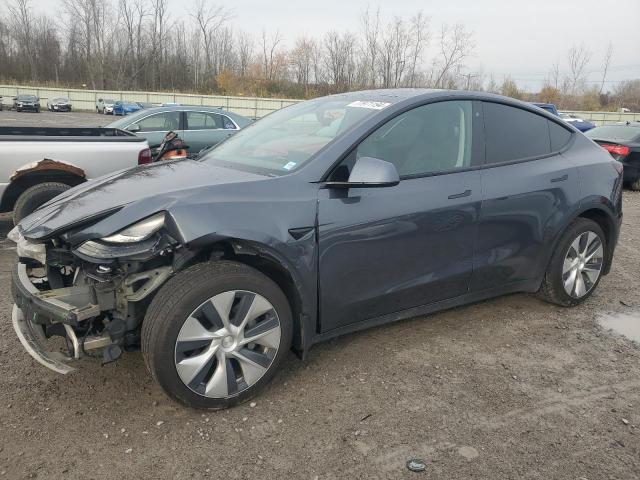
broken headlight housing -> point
(138, 231)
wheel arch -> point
(604, 218)
(272, 264)
(40, 172)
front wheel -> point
(216, 333)
(576, 266)
(34, 197)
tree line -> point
(142, 45)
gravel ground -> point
(510, 388)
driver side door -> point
(385, 250)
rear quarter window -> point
(560, 136)
(514, 134)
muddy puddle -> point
(627, 324)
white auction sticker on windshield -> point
(368, 104)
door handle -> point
(466, 193)
(560, 179)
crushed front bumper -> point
(33, 309)
(32, 338)
(65, 305)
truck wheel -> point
(216, 333)
(33, 198)
(576, 266)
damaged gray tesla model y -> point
(325, 217)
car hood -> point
(141, 191)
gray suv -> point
(326, 217)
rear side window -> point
(513, 134)
(204, 121)
(560, 136)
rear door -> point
(205, 129)
(384, 250)
(528, 189)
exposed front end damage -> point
(93, 296)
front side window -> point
(160, 122)
(432, 138)
(514, 134)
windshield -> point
(26, 98)
(285, 140)
(620, 133)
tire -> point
(185, 297)
(34, 197)
(635, 186)
(553, 288)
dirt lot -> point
(507, 389)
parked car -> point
(105, 105)
(579, 123)
(325, 217)
(125, 108)
(59, 104)
(0, 103)
(41, 162)
(25, 103)
(622, 141)
(145, 105)
(199, 127)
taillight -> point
(619, 150)
(144, 156)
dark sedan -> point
(26, 103)
(622, 141)
(325, 217)
(59, 104)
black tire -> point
(552, 288)
(178, 298)
(34, 197)
(635, 186)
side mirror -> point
(369, 172)
(134, 127)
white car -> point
(42, 162)
(105, 105)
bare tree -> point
(269, 52)
(22, 30)
(420, 35)
(605, 65)
(578, 57)
(371, 33)
(301, 59)
(210, 19)
(456, 44)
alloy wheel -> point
(227, 344)
(583, 264)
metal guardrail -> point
(253, 107)
(601, 118)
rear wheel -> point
(34, 197)
(576, 266)
(216, 334)
(635, 185)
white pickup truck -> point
(37, 164)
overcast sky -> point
(522, 38)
